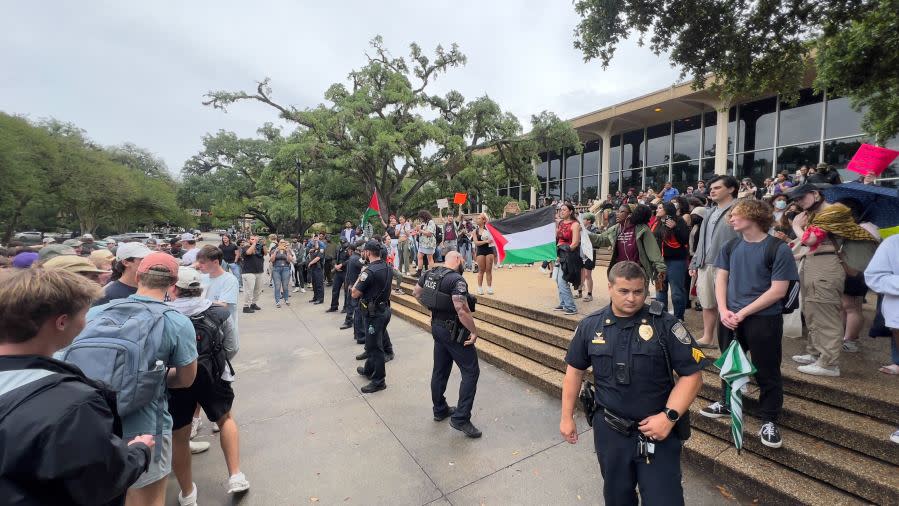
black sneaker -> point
(770, 436)
(362, 356)
(248, 309)
(361, 371)
(373, 387)
(331, 310)
(467, 428)
(388, 357)
(715, 410)
(255, 307)
(446, 414)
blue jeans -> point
(281, 281)
(675, 277)
(465, 250)
(566, 299)
(233, 269)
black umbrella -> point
(880, 204)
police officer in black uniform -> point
(639, 423)
(339, 277)
(444, 291)
(373, 291)
(353, 268)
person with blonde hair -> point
(485, 253)
(281, 258)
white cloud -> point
(137, 72)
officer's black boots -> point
(375, 387)
(449, 412)
(346, 326)
(466, 427)
(388, 357)
(364, 356)
(361, 372)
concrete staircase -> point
(835, 431)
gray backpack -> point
(119, 347)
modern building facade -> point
(682, 135)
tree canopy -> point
(52, 175)
(386, 130)
(756, 47)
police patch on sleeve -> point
(461, 287)
(363, 276)
(681, 333)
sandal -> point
(892, 369)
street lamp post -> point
(299, 201)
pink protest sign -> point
(871, 159)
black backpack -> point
(211, 357)
(790, 300)
(438, 233)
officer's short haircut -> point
(210, 253)
(627, 270)
(29, 297)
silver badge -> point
(680, 332)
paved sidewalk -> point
(309, 437)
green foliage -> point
(756, 47)
(372, 130)
(52, 176)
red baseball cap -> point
(158, 259)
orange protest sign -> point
(460, 198)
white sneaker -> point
(198, 446)
(296, 289)
(804, 359)
(489, 290)
(194, 427)
(238, 483)
(480, 291)
(817, 370)
(215, 427)
(850, 346)
(894, 437)
(302, 290)
(190, 500)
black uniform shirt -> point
(312, 255)
(603, 339)
(340, 259)
(374, 282)
(353, 267)
(453, 284)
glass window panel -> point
(842, 119)
(613, 182)
(631, 179)
(838, 153)
(555, 190)
(555, 165)
(801, 122)
(757, 124)
(615, 155)
(685, 174)
(686, 139)
(502, 192)
(656, 177)
(793, 157)
(658, 143)
(572, 163)
(632, 150)
(589, 192)
(542, 168)
(731, 129)
(708, 168)
(592, 157)
(515, 192)
(708, 143)
(572, 189)
(756, 165)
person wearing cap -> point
(47, 240)
(175, 248)
(24, 259)
(75, 244)
(156, 275)
(88, 245)
(339, 284)
(62, 437)
(373, 291)
(824, 173)
(111, 245)
(53, 250)
(103, 260)
(211, 391)
(123, 280)
(253, 254)
(78, 265)
(189, 245)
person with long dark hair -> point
(568, 265)
(673, 236)
(427, 240)
(485, 254)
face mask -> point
(780, 204)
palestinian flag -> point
(525, 238)
(373, 211)
(735, 371)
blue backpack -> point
(119, 347)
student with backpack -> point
(62, 439)
(140, 345)
(754, 274)
(217, 344)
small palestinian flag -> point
(373, 211)
(735, 371)
(525, 238)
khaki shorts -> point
(160, 463)
(705, 286)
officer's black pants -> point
(359, 323)
(375, 325)
(318, 284)
(337, 289)
(623, 470)
(762, 337)
(329, 269)
(466, 357)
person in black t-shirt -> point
(231, 257)
(123, 281)
(253, 255)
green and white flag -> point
(735, 371)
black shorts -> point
(215, 398)
(855, 286)
(484, 251)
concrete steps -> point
(835, 447)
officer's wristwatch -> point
(673, 415)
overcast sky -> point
(137, 71)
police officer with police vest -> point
(444, 291)
(639, 422)
(373, 291)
